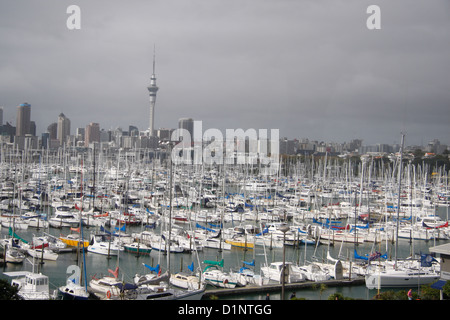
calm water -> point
(130, 264)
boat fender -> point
(108, 294)
(225, 281)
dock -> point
(254, 289)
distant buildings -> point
(92, 134)
(23, 120)
(25, 137)
(58, 135)
(63, 129)
(435, 147)
(187, 124)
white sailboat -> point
(14, 255)
(101, 245)
(406, 277)
(274, 271)
(184, 280)
(43, 253)
(73, 290)
(106, 286)
(64, 217)
(397, 273)
(218, 278)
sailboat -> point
(400, 273)
(151, 278)
(74, 239)
(107, 286)
(14, 255)
(274, 271)
(216, 277)
(73, 290)
(101, 245)
(137, 247)
(161, 291)
(185, 280)
(247, 274)
(43, 253)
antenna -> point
(154, 54)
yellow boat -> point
(73, 240)
(240, 242)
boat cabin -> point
(31, 285)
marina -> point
(136, 227)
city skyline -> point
(311, 70)
(92, 133)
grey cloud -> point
(310, 68)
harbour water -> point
(131, 264)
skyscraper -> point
(23, 125)
(52, 130)
(188, 124)
(63, 129)
(152, 89)
(92, 134)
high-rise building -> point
(164, 134)
(1, 116)
(32, 128)
(52, 130)
(152, 89)
(63, 130)
(92, 133)
(23, 124)
(188, 124)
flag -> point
(426, 260)
(374, 256)
(191, 267)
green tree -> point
(446, 290)
(7, 291)
(338, 296)
(428, 293)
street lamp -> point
(283, 228)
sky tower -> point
(152, 89)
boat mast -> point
(398, 200)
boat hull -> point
(399, 279)
(75, 243)
(136, 249)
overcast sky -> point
(310, 68)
